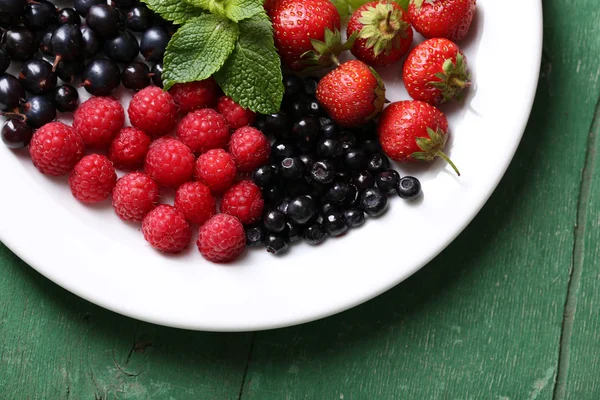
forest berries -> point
(202, 130)
(134, 196)
(193, 95)
(195, 201)
(153, 111)
(98, 120)
(216, 169)
(128, 149)
(55, 148)
(221, 239)
(166, 229)
(249, 148)
(236, 115)
(169, 162)
(244, 201)
(93, 179)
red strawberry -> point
(436, 72)
(411, 131)
(296, 23)
(384, 33)
(352, 93)
(448, 19)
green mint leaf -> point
(198, 49)
(252, 75)
(176, 11)
(237, 10)
(214, 6)
(342, 6)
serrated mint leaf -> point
(214, 6)
(237, 10)
(252, 76)
(342, 6)
(198, 49)
(176, 11)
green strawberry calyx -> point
(325, 53)
(379, 91)
(433, 147)
(383, 27)
(453, 80)
(419, 3)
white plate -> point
(90, 252)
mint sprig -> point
(229, 39)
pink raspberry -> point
(236, 115)
(244, 201)
(153, 111)
(129, 148)
(195, 201)
(202, 130)
(166, 229)
(134, 196)
(194, 95)
(249, 148)
(221, 239)
(216, 169)
(98, 120)
(169, 162)
(93, 179)
(55, 148)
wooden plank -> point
(54, 345)
(483, 320)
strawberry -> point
(298, 25)
(384, 33)
(352, 93)
(448, 19)
(411, 131)
(436, 72)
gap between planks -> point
(241, 392)
(578, 258)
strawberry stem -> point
(449, 161)
(459, 83)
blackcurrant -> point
(69, 70)
(291, 168)
(66, 98)
(123, 3)
(275, 244)
(255, 235)
(67, 43)
(301, 209)
(274, 221)
(298, 187)
(153, 44)
(91, 42)
(306, 132)
(348, 140)
(334, 223)
(272, 194)
(277, 124)
(156, 72)
(322, 171)
(38, 110)
(310, 85)
(16, 134)
(46, 42)
(314, 108)
(330, 131)
(122, 48)
(40, 14)
(363, 180)
(37, 76)
(135, 75)
(11, 92)
(330, 148)
(83, 6)
(139, 18)
(20, 43)
(292, 85)
(371, 146)
(298, 106)
(378, 162)
(355, 159)
(339, 193)
(4, 60)
(308, 160)
(68, 16)
(104, 20)
(409, 187)
(354, 217)
(283, 206)
(264, 176)
(315, 234)
(293, 232)
(13, 6)
(374, 202)
(101, 77)
(388, 180)
(281, 149)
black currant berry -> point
(388, 181)
(255, 235)
(298, 187)
(40, 14)
(275, 244)
(355, 159)
(135, 75)
(123, 3)
(103, 20)
(314, 108)
(330, 131)
(299, 106)
(348, 140)
(68, 16)
(153, 44)
(274, 221)
(339, 193)
(310, 85)
(122, 48)
(292, 85)
(263, 176)
(38, 110)
(308, 160)
(101, 77)
(11, 92)
(16, 134)
(291, 168)
(301, 209)
(363, 180)
(409, 187)
(330, 148)
(272, 194)
(46, 42)
(91, 43)
(20, 43)
(335, 223)
(67, 43)
(277, 124)
(293, 232)
(283, 206)
(69, 70)
(371, 146)
(139, 18)
(281, 150)
(374, 202)
(315, 234)
(322, 171)
(83, 6)
(354, 217)
(37, 76)
(156, 72)
(4, 60)
(378, 162)
(66, 98)
(13, 6)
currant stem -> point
(449, 161)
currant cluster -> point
(321, 179)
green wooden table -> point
(511, 310)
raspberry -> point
(134, 196)
(244, 201)
(195, 201)
(166, 229)
(193, 95)
(55, 148)
(236, 115)
(129, 148)
(216, 169)
(221, 239)
(98, 120)
(202, 130)
(93, 179)
(153, 111)
(249, 148)
(169, 162)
